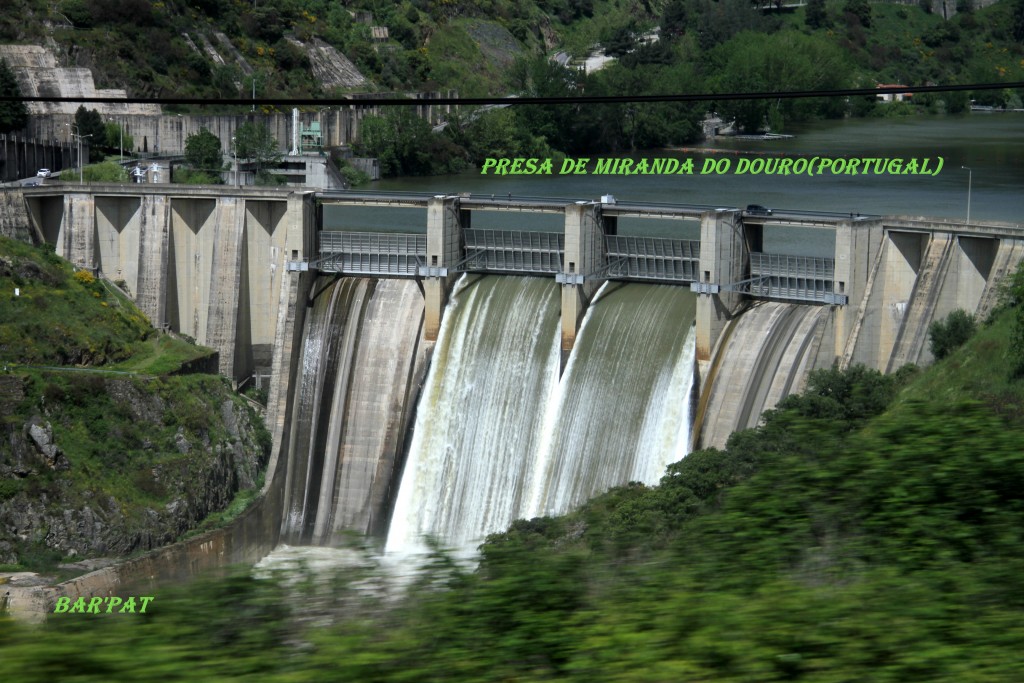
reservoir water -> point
(990, 145)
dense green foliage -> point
(203, 158)
(81, 358)
(60, 316)
(946, 335)
(104, 172)
(13, 115)
(870, 530)
(256, 144)
(161, 48)
(90, 128)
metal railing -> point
(794, 278)
(652, 258)
(513, 251)
(371, 253)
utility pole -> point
(81, 166)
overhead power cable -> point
(371, 101)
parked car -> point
(758, 210)
(43, 173)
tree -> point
(674, 18)
(947, 335)
(13, 115)
(1017, 21)
(1015, 297)
(405, 145)
(203, 152)
(116, 138)
(816, 16)
(860, 9)
(89, 125)
(255, 143)
(204, 159)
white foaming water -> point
(480, 414)
(499, 437)
(623, 413)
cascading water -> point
(624, 408)
(480, 415)
(499, 437)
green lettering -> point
(625, 167)
(853, 167)
(63, 603)
(145, 602)
(911, 167)
(94, 605)
(784, 166)
(603, 166)
(129, 606)
(79, 606)
(686, 167)
(502, 166)
(112, 603)
(488, 163)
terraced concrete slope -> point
(766, 356)
(39, 75)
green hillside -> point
(870, 530)
(104, 449)
(166, 48)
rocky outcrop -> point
(331, 68)
(54, 503)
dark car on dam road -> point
(757, 210)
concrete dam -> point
(448, 380)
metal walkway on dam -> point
(219, 263)
(624, 258)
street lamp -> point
(234, 157)
(969, 174)
(81, 166)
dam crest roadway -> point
(912, 268)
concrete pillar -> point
(77, 230)
(975, 259)
(857, 249)
(190, 254)
(584, 255)
(117, 238)
(150, 285)
(904, 253)
(298, 242)
(445, 222)
(263, 268)
(228, 310)
(723, 261)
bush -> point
(951, 333)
